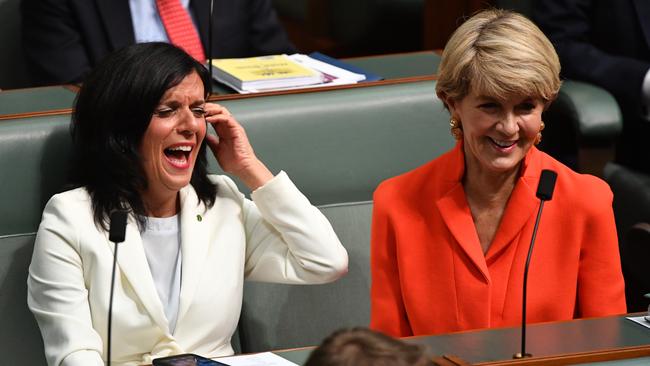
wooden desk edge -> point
(575, 358)
(409, 79)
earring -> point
(538, 138)
(455, 128)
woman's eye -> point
(527, 106)
(198, 112)
(489, 106)
(164, 112)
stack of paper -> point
(332, 75)
(263, 73)
(280, 72)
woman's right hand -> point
(232, 149)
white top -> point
(161, 240)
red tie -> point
(180, 29)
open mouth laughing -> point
(178, 155)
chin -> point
(177, 183)
(504, 165)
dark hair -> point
(363, 347)
(112, 112)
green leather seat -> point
(336, 146)
(632, 211)
(34, 155)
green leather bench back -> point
(33, 164)
(336, 146)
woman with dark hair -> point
(139, 131)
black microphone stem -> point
(525, 292)
(210, 40)
(110, 307)
(116, 234)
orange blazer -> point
(430, 275)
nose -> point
(508, 125)
(188, 123)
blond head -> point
(498, 53)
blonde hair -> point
(499, 53)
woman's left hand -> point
(231, 148)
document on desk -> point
(258, 359)
(640, 319)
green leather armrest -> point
(592, 111)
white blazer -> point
(279, 237)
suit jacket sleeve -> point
(287, 239)
(568, 25)
(601, 288)
(52, 42)
(57, 295)
(387, 311)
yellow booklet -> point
(265, 72)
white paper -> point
(640, 320)
(338, 73)
(257, 359)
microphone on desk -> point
(116, 234)
(210, 39)
(544, 193)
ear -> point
(450, 103)
(549, 102)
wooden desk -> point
(56, 100)
(614, 339)
(46, 100)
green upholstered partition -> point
(33, 163)
(34, 155)
(631, 208)
(285, 316)
(592, 111)
(336, 146)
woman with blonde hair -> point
(450, 238)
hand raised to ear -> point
(232, 149)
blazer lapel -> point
(195, 241)
(521, 205)
(116, 18)
(454, 209)
(455, 212)
(133, 265)
(519, 209)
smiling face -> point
(171, 143)
(497, 134)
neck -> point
(488, 188)
(161, 205)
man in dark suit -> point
(64, 39)
(607, 43)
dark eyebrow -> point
(197, 103)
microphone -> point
(210, 40)
(116, 234)
(545, 189)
